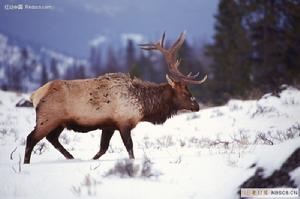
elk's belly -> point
(89, 117)
(86, 127)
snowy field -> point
(207, 154)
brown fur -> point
(156, 101)
(110, 102)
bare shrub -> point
(233, 105)
(114, 149)
(293, 131)
(242, 137)
(12, 153)
(89, 183)
(87, 186)
(40, 148)
(261, 109)
(264, 138)
(65, 138)
(177, 160)
(127, 168)
(124, 168)
(3, 132)
(278, 136)
(165, 141)
(216, 113)
(192, 116)
(182, 142)
(76, 190)
(147, 143)
(290, 101)
(19, 165)
(147, 170)
(220, 142)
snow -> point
(295, 175)
(97, 41)
(207, 154)
(281, 152)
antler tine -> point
(155, 46)
(162, 40)
(173, 68)
(176, 64)
(147, 47)
(193, 76)
(188, 80)
(176, 46)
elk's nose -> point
(195, 105)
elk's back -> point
(89, 102)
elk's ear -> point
(170, 81)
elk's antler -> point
(171, 59)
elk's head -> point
(183, 98)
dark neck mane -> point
(156, 100)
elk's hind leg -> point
(43, 128)
(105, 139)
(53, 136)
(31, 141)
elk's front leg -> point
(105, 139)
(127, 140)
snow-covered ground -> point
(193, 155)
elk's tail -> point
(39, 94)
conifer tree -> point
(44, 74)
(112, 64)
(130, 56)
(292, 39)
(230, 51)
(95, 61)
(53, 69)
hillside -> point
(26, 68)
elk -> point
(114, 101)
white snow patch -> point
(98, 40)
(272, 157)
(295, 175)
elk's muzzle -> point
(195, 106)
